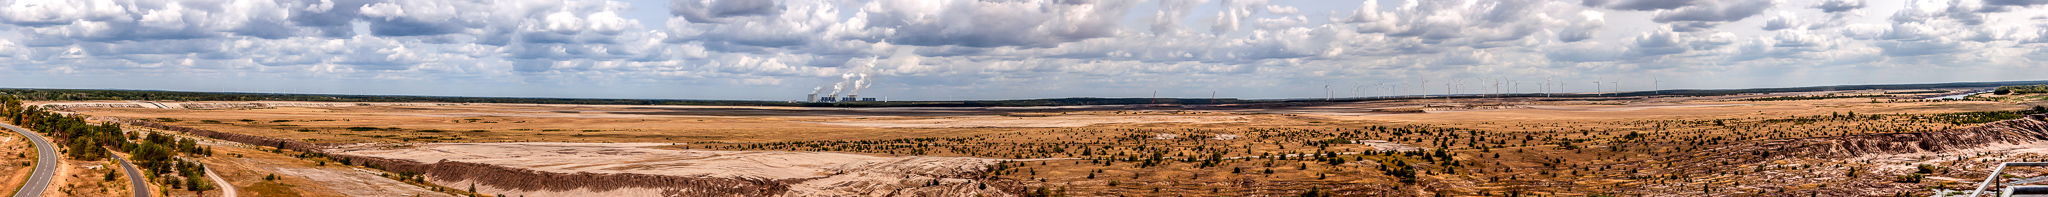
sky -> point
(1009, 49)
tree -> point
(1313, 191)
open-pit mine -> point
(1828, 143)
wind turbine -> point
(1376, 87)
(1617, 86)
(1397, 89)
(1498, 87)
(1447, 86)
(1423, 88)
(1358, 90)
(1514, 87)
(1596, 86)
(1560, 87)
(1328, 94)
(1658, 85)
(1509, 89)
(1447, 91)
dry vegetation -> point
(89, 178)
(262, 171)
(1701, 146)
(19, 155)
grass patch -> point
(270, 189)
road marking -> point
(46, 165)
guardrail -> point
(1993, 180)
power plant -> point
(851, 83)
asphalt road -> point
(141, 185)
(46, 164)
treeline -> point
(1985, 116)
(2025, 89)
(85, 140)
(92, 141)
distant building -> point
(867, 99)
(827, 99)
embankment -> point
(2029, 130)
(524, 180)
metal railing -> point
(1993, 178)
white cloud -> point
(1707, 14)
(1832, 6)
(1784, 20)
(964, 46)
(1171, 12)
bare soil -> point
(826, 173)
(1616, 146)
(16, 151)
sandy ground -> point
(13, 148)
(839, 173)
(299, 177)
(1054, 121)
(352, 182)
(1904, 163)
(630, 158)
(84, 178)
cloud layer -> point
(975, 49)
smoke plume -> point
(853, 81)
